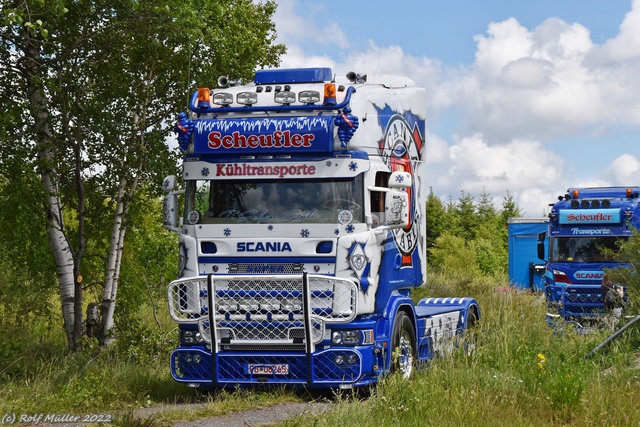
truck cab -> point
(302, 233)
(586, 228)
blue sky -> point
(528, 98)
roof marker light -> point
(575, 194)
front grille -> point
(263, 309)
(264, 268)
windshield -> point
(331, 200)
(584, 249)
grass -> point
(520, 373)
(37, 375)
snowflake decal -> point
(336, 232)
(353, 166)
(227, 232)
(270, 228)
(328, 163)
(350, 228)
(205, 171)
(399, 178)
(165, 184)
(304, 233)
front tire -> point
(403, 346)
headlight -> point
(191, 337)
(352, 337)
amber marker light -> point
(204, 97)
(329, 93)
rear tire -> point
(470, 333)
(403, 346)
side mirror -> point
(397, 209)
(170, 204)
(169, 183)
(541, 237)
(399, 180)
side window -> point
(377, 198)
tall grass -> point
(519, 373)
(38, 375)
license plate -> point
(268, 369)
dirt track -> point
(259, 416)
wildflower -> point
(541, 361)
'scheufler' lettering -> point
(278, 139)
(589, 217)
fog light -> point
(247, 98)
(339, 359)
(309, 96)
(222, 98)
(197, 358)
(284, 97)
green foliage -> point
(454, 256)
(629, 253)
(91, 90)
(465, 239)
(435, 218)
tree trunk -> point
(60, 246)
(114, 260)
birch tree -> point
(102, 81)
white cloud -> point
(549, 82)
(474, 166)
(437, 149)
(626, 45)
(526, 89)
(293, 26)
(625, 170)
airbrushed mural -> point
(396, 255)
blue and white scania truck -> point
(303, 233)
(586, 226)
